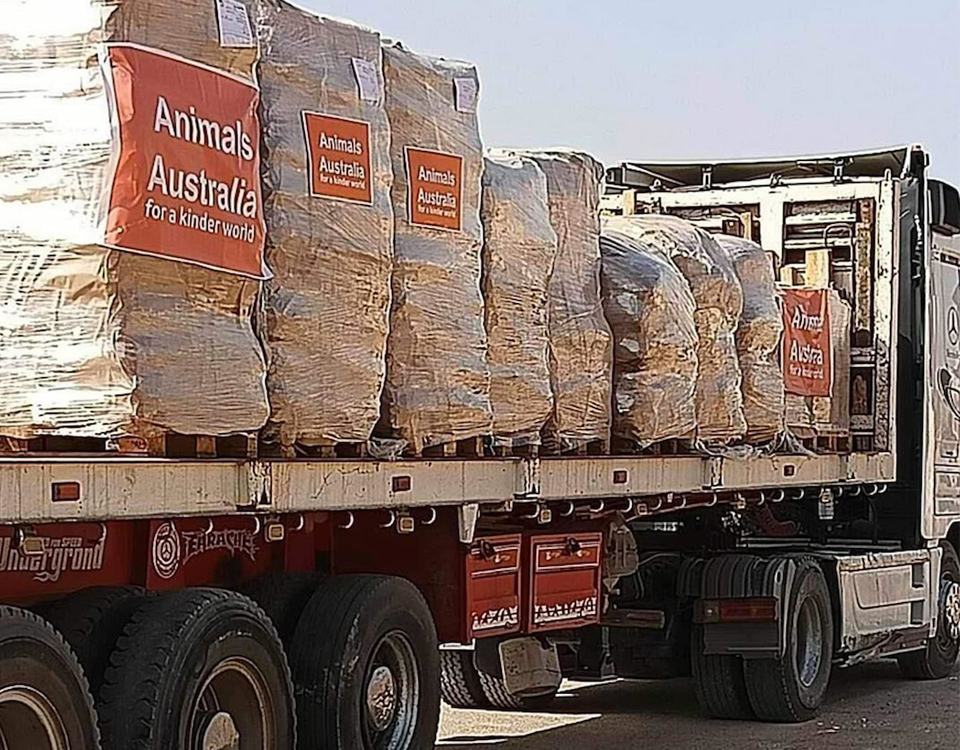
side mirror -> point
(944, 208)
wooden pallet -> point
(671, 447)
(472, 447)
(828, 443)
(506, 448)
(170, 445)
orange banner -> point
(434, 188)
(187, 179)
(807, 355)
(339, 156)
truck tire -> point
(283, 596)
(500, 698)
(198, 668)
(459, 682)
(719, 682)
(92, 621)
(45, 703)
(791, 687)
(938, 659)
(366, 666)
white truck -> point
(330, 603)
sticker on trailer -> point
(233, 22)
(338, 153)
(807, 353)
(59, 555)
(185, 181)
(434, 188)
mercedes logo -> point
(953, 326)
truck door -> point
(941, 477)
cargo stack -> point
(438, 381)
(719, 302)
(327, 179)
(650, 309)
(519, 251)
(758, 339)
(581, 350)
(97, 342)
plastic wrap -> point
(519, 250)
(758, 339)
(327, 307)
(719, 303)
(95, 342)
(581, 349)
(650, 309)
(438, 380)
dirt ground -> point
(868, 707)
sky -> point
(682, 79)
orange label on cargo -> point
(339, 153)
(186, 184)
(807, 356)
(435, 188)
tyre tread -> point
(459, 684)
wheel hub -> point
(220, 733)
(29, 720)
(950, 609)
(381, 697)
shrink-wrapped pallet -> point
(650, 309)
(519, 250)
(758, 339)
(96, 342)
(719, 302)
(327, 179)
(438, 381)
(581, 351)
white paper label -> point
(466, 94)
(234, 22)
(367, 80)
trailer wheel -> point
(198, 669)
(500, 698)
(719, 682)
(459, 682)
(283, 596)
(45, 703)
(366, 666)
(92, 621)
(937, 660)
(791, 688)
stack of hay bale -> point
(95, 342)
(330, 238)
(519, 251)
(438, 382)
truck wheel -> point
(459, 682)
(791, 688)
(719, 682)
(940, 655)
(283, 596)
(366, 666)
(500, 698)
(45, 703)
(92, 621)
(198, 669)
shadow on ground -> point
(869, 707)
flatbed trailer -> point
(201, 604)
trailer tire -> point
(366, 666)
(195, 666)
(500, 698)
(283, 597)
(45, 702)
(938, 659)
(459, 682)
(92, 621)
(719, 682)
(784, 689)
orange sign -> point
(434, 188)
(339, 153)
(187, 180)
(807, 356)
